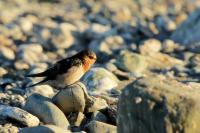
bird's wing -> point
(59, 68)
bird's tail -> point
(44, 80)
(42, 74)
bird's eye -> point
(91, 57)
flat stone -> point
(19, 115)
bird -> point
(67, 71)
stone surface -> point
(71, 99)
(80, 117)
(160, 60)
(45, 129)
(108, 45)
(30, 53)
(158, 105)
(9, 128)
(97, 104)
(46, 111)
(100, 127)
(150, 45)
(131, 62)
(44, 90)
(98, 116)
(3, 71)
(19, 115)
(100, 80)
(7, 53)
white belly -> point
(74, 74)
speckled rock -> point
(159, 105)
(100, 80)
(8, 128)
(19, 115)
(46, 111)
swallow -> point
(67, 71)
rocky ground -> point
(146, 78)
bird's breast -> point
(71, 76)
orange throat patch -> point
(87, 64)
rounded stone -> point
(46, 111)
(99, 80)
(71, 99)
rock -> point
(62, 37)
(3, 71)
(100, 80)
(7, 53)
(96, 30)
(131, 62)
(30, 53)
(21, 65)
(97, 104)
(71, 99)
(165, 23)
(183, 35)
(100, 127)
(150, 45)
(78, 119)
(44, 90)
(46, 111)
(98, 116)
(195, 48)
(9, 128)
(109, 45)
(25, 24)
(122, 15)
(169, 46)
(162, 61)
(19, 115)
(159, 105)
(45, 129)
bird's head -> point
(88, 57)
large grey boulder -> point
(188, 32)
(159, 105)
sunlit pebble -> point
(138, 100)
